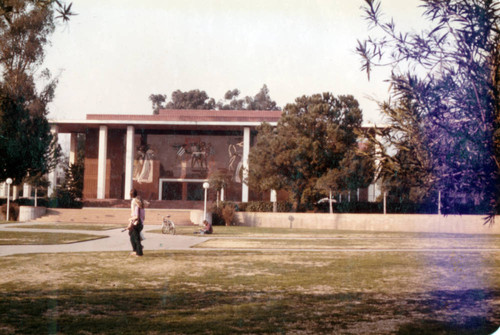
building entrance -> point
(187, 189)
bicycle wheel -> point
(164, 227)
(171, 228)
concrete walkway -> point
(115, 240)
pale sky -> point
(115, 53)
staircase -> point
(112, 215)
(158, 204)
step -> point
(112, 215)
(159, 204)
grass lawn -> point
(251, 292)
(334, 243)
(26, 238)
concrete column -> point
(3, 190)
(439, 202)
(53, 174)
(385, 202)
(15, 192)
(101, 163)
(26, 190)
(273, 199)
(246, 151)
(129, 162)
(72, 148)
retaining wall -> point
(197, 218)
(28, 213)
(455, 224)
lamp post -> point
(205, 186)
(8, 182)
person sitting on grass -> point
(207, 229)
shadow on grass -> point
(182, 310)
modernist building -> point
(166, 156)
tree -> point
(158, 101)
(73, 172)
(39, 182)
(445, 94)
(219, 180)
(194, 99)
(232, 101)
(27, 146)
(313, 137)
(407, 175)
(7, 9)
(356, 170)
(261, 101)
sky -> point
(113, 54)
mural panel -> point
(187, 157)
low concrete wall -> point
(28, 213)
(196, 217)
(456, 224)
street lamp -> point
(8, 182)
(205, 186)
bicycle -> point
(168, 226)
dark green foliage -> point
(157, 100)
(73, 182)
(267, 206)
(196, 99)
(63, 198)
(26, 144)
(42, 202)
(261, 101)
(444, 113)
(315, 136)
(70, 193)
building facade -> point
(167, 156)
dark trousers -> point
(135, 239)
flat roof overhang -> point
(81, 126)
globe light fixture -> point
(205, 186)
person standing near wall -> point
(136, 222)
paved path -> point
(116, 240)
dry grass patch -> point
(407, 243)
(237, 292)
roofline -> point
(166, 123)
(231, 123)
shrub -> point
(13, 211)
(228, 212)
(217, 219)
(267, 206)
(217, 212)
(64, 199)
